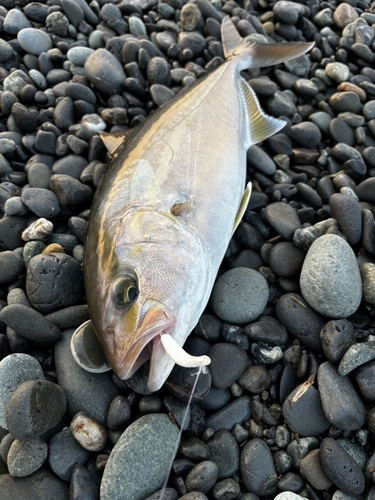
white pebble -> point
(90, 434)
(94, 123)
(38, 230)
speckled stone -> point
(257, 468)
(330, 280)
(149, 441)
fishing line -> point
(201, 369)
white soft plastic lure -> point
(165, 211)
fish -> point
(165, 211)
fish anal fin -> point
(115, 140)
(243, 205)
(261, 125)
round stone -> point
(257, 468)
(203, 477)
(26, 457)
(34, 41)
(105, 72)
(240, 295)
(330, 279)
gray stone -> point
(257, 468)
(240, 295)
(42, 485)
(330, 280)
(202, 478)
(14, 370)
(26, 457)
(149, 442)
(311, 468)
(368, 282)
(356, 355)
(341, 403)
(34, 41)
(105, 72)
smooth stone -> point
(288, 495)
(365, 378)
(340, 131)
(260, 159)
(26, 457)
(240, 295)
(149, 441)
(285, 259)
(337, 336)
(29, 323)
(105, 72)
(34, 407)
(356, 355)
(306, 134)
(236, 412)
(257, 468)
(227, 364)
(15, 369)
(65, 453)
(34, 41)
(300, 319)
(202, 478)
(291, 482)
(267, 329)
(84, 484)
(303, 411)
(41, 485)
(255, 379)
(347, 211)
(298, 450)
(227, 489)
(85, 391)
(341, 468)
(330, 280)
(91, 435)
(225, 453)
(11, 266)
(367, 271)
(311, 468)
(283, 218)
(341, 403)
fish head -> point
(150, 278)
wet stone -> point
(227, 364)
(337, 336)
(65, 453)
(301, 320)
(233, 297)
(257, 468)
(340, 467)
(331, 262)
(341, 404)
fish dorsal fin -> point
(230, 37)
(261, 125)
(115, 140)
(243, 205)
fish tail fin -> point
(261, 125)
(258, 55)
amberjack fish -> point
(164, 213)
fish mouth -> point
(155, 322)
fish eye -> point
(125, 291)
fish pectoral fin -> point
(113, 141)
(243, 205)
(261, 125)
(87, 351)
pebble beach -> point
(286, 409)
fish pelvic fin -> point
(258, 55)
(261, 125)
